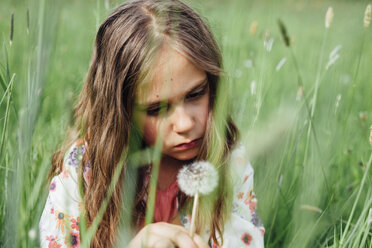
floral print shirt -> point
(59, 223)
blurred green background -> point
(312, 181)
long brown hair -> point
(125, 47)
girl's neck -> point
(168, 171)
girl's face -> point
(175, 105)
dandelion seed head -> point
(329, 17)
(198, 177)
(367, 16)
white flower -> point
(248, 63)
(32, 234)
(238, 73)
(281, 63)
(198, 177)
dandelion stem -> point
(194, 213)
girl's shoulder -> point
(244, 228)
(73, 159)
(59, 222)
(64, 190)
(240, 167)
(74, 154)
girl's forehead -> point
(172, 77)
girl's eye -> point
(197, 94)
(154, 111)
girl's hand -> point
(164, 235)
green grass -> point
(313, 183)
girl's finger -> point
(163, 243)
(199, 242)
(177, 234)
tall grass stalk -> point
(354, 81)
(88, 235)
(7, 93)
(317, 80)
(282, 184)
(21, 211)
(345, 232)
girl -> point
(154, 74)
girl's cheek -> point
(149, 131)
(202, 111)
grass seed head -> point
(253, 29)
(370, 135)
(28, 20)
(11, 28)
(367, 16)
(338, 99)
(311, 208)
(284, 33)
(329, 17)
(300, 92)
(363, 115)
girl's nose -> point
(182, 121)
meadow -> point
(300, 94)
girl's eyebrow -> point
(157, 103)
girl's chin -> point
(184, 155)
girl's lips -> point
(186, 146)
